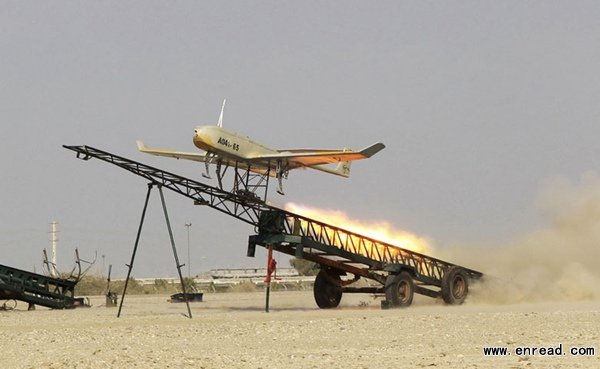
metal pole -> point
(53, 271)
(188, 225)
(185, 296)
(268, 278)
(137, 240)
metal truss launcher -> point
(399, 273)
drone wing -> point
(171, 153)
(309, 158)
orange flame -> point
(377, 230)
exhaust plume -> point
(377, 230)
(557, 263)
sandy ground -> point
(233, 331)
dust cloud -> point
(560, 262)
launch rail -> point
(399, 272)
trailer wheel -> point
(399, 289)
(455, 285)
(328, 293)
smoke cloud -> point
(560, 262)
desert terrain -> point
(231, 330)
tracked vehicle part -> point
(328, 245)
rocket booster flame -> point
(377, 230)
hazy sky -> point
(479, 103)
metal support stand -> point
(271, 266)
(137, 240)
(187, 302)
(247, 183)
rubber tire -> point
(455, 285)
(327, 294)
(399, 290)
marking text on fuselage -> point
(228, 144)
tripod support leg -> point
(137, 240)
(185, 296)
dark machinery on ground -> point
(111, 297)
(399, 272)
(188, 296)
(38, 289)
